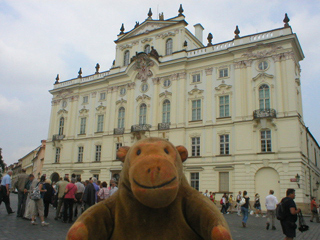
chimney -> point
(198, 31)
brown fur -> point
(154, 201)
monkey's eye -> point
(166, 151)
(139, 152)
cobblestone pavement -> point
(13, 228)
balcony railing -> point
(140, 127)
(57, 137)
(163, 126)
(118, 131)
(264, 113)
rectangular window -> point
(195, 180)
(98, 153)
(196, 110)
(78, 176)
(80, 154)
(118, 145)
(195, 146)
(223, 73)
(266, 141)
(100, 123)
(83, 125)
(224, 144)
(224, 106)
(57, 158)
(85, 99)
(102, 96)
(96, 176)
(223, 182)
(196, 78)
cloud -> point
(8, 106)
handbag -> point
(35, 195)
(243, 201)
(67, 192)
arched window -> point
(264, 97)
(169, 46)
(121, 117)
(143, 114)
(147, 48)
(61, 126)
(166, 111)
(126, 58)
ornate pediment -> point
(195, 91)
(143, 64)
(143, 97)
(101, 108)
(61, 111)
(261, 54)
(148, 27)
(64, 94)
(84, 110)
(165, 94)
(121, 101)
(263, 76)
(223, 86)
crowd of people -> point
(69, 197)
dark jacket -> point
(89, 195)
(49, 193)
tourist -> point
(5, 191)
(69, 198)
(30, 185)
(289, 223)
(213, 197)
(257, 205)
(206, 194)
(48, 196)
(238, 203)
(314, 210)
(103, 192)
(114, 187)
(230, 203)
(37, 205)
(61, 186)
(79, 194)
(96, 187)
(245, 209)
(89, 194)
(223, 203)
(20, 183)
(271, 204)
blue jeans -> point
(245, 214)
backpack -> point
(280, 211)
(35, 195)
(243, 201)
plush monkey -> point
(154, 201)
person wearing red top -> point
(314, 210)
(69, 198)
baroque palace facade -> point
(236, 106)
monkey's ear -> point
(183, 152)
(122, 153)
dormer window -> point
(126, 58)
(169, 46)
(147, 49)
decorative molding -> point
(223, 86)
(131, 85)
(74, 98)
(195, 91)
(174, 76)
(283, 56)
(146, 40)
(149, 27)
(164, 35)
(61, 111)
(112, 89)
(121, 101)
(263, 76)
(195, 135)
(94, 94)
(156, 80)
(242, 64)
(101, 108)
(165, 94)
(297, 80)
(209, 71)
(143, 97)
(182, 75)
(261, 54)
(64, 93)
(125, 46)
(143, 64)
(84, 110)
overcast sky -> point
(39, 39)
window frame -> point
(83, 123)
(196, 114)
(61, 125)
(98, 153)
(195, 147)
(104, 96)
(264, 100)
(224, 107)
(224, 186)
(224, 72)
(166, 111)
(196, 78)
(147, 49)
(142, 114)
(266, 141)
(169, 46)
(195, 180)
(80, 153)
(224, 143)
(126, 58)
(57, 155)
(118, 145)
(100, 123)
(121, 117)
(85, 99)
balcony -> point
(140, 127)
(57, 137)
(264, 113)
(118, 131)
(163, 126)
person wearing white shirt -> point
(271, 204)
